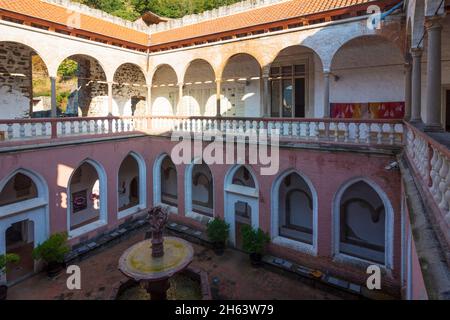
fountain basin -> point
(138, 263)
(133, 290)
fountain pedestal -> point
(155, 261)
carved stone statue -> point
(157, 218)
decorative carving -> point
(157, 218)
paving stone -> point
(92, 245)
(238, 279)
(338, 282)
(355, 288)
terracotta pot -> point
(219, 248)
(3, 292)
(256, 259)
(54, 268)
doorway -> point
(20, 240)
(243, 217)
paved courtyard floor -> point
(230, 276)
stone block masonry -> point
(15, 79)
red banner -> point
(378, 110)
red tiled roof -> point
(60, 15)
(254, 17)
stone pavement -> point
(230, 276)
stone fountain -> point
(153, 262)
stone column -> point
(53, 96)
(266, 92)
(218, 95)
(434, 80)
(180, 99)
(326, 94)
(110, 99)
(408, 87)
(416, 99)
(149, 100)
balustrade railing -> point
(431, 161)
(52, 128)
(361, 132)
(379, 132)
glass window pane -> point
(286, 70)
(300, 70)
(287, 98)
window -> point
(84, 188)
(169, 191)
(243, 177)
(128, 184)
(202, 190)
(296, 209)
(18, 188)
(288, 91)
(362, 223)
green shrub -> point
(218, 230)
(7, 258)
(254, 241)
(53, 249)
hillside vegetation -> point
(133, 9)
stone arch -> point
(158, 67)
(36, 211)
(388, 225)
(89, 93)
(233, 56)
(368, 70)
(199, 89)
(102, 196)
(310, 248)
(302, 80)
(164, 92)
(38, 180)
(234, 169)
(141, 203)
(241, 86)
(129, 90)
(20, 64)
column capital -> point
(180, 84)
(408, 65)
(326, 72)
(433, 23)
(416, 52)
(218, 80)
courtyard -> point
(231, 277)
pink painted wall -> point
(327, 170)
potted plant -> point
(4, 260)
(217, 231)
(53, 252)
(254, 242)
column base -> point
(417, 123)
(433, 128)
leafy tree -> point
(132, 9)
(68, 68)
